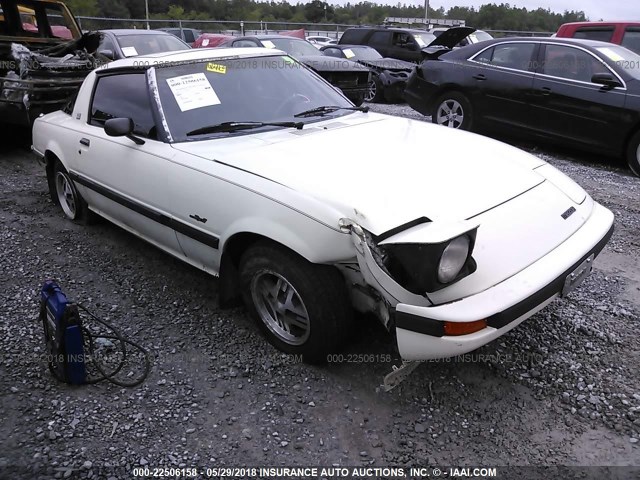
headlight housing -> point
(427, 267)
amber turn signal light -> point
(463, 328)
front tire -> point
(376, 90)
(302, 308)
(633, 154)
(67, 196)
(453, 110)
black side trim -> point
(435, 328)
(180, 227)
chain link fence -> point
(243, 27)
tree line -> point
(489, 16)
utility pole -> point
(146, 9)
(426, 14)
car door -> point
(568, 105)
(381, 41)
(122, 180)
(500, 81)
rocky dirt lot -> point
(561, 389)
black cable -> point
(123, 342)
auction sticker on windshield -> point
(129, 51)
(268, 44)
(348, 53)
(420, 41)
(193, 91)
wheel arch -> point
(237, 243)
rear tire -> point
(302, 308)
(633, 154)
(66, 195)
(453, 110)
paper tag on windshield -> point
(216, 68)
(268, 44)
(129, 51)
(193, 91)
(348, 53)
(420, 41)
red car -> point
(626, 34)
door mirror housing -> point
(121, 127)
(606, 79)
(107, 53)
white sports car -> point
(246, 164)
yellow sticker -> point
(348, 53)
(214, 67)
(268, 44)
(288, 59)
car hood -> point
(324, 63)
(451, 37)
(383, 171)
(389, 64)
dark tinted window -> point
(571, 63)
(124, 95)
(485, 57)
(512, 55)
(354, 35)
(380, 38)
(631, 39)
(144, 44)
(602, 34)
(188, 36)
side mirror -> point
(107, 53)
(121, 127)
(606, 79)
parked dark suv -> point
(403, 43)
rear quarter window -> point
(602, 34)
(355, 36)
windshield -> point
(145, 44)
(365, 53)
(260, 89)
(480, 36)
(293, 46)
(622, 58)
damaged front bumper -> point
(420, 326)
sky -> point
(594, 9)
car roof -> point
(134, 31)
(193, 55)
(601, 23)
(573, 41)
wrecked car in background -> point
(44, 57)
(449, 251)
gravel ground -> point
(561, 389)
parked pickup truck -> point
(626, 34)
(44, 57)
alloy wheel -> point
(450, 114)
(66, 194)
(371, 91)
(280, 307)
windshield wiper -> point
(328, 109)
(235, 126)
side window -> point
(571, 63)
(631, 39)
(132, 93)
(513, 55)
(485, 57)
(188, 36)
(380, 39)
(603, 34)
(333, 52)
(106, 44)
(403, 40)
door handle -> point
(545, 91)
(85, 142)
(480, 77)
